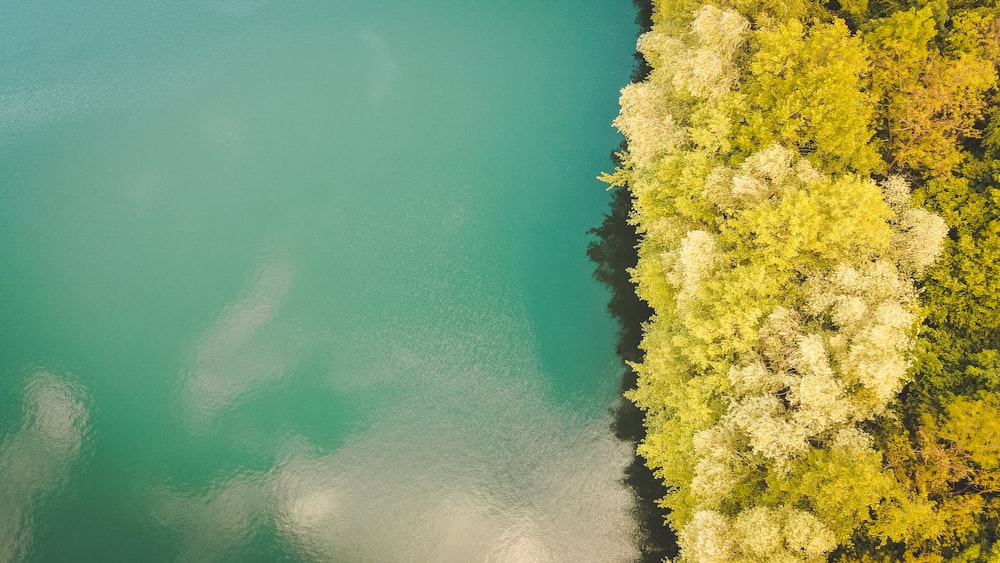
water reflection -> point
(36, 460)
(357, 505)
(381, 62)
(463, 455)
(215, 525)
(246, 347)
(474, 463)
(480, 468)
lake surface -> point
(305, 281)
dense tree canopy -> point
(816, 193)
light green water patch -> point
(307, 281)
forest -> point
(814, 188)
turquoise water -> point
(306, 281)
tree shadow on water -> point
(613, 254)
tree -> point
(805, 90)
(929, 100)
(792, 290)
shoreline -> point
(613, 254)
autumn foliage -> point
(816, 194)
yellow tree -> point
(781, 280)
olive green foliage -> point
(949, 409)
(931, 95)
(816, 195)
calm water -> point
(305, 281)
